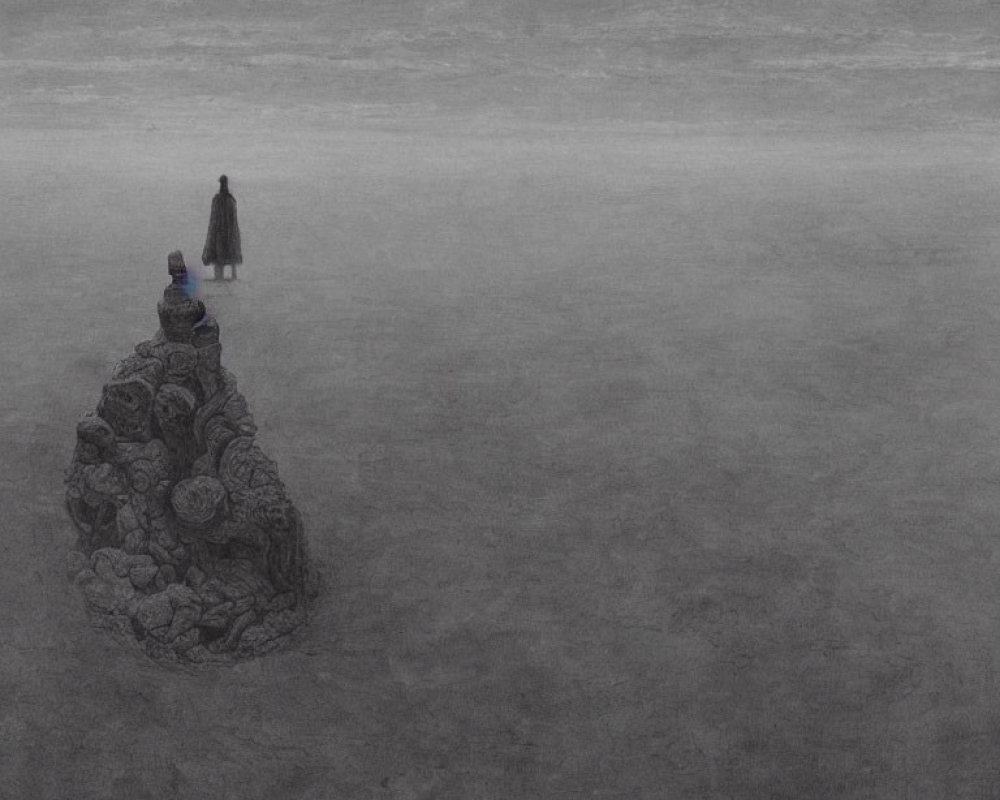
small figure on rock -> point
(179, 275)
(222, 245)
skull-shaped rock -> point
(174, 407)
(126, 405)
(95, 440)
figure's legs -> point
(233, 267)
(218, 271)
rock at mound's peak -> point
(188, 539)
(179, 310)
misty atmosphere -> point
(635, 368)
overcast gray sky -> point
(305, 62)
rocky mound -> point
(188, 540)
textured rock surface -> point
(188, 539)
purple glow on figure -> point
(191, 284)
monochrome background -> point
(635, 367)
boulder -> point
(143, 577)
(155, 611)
(110, 561)
(137, 542)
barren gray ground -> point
(636, 466)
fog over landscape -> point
(317, 64)
(634, 367)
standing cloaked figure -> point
(222, 245)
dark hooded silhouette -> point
(222, 245)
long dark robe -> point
(222, 245)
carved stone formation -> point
(188, 540)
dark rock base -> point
(188, 540)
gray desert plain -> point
(635, 367)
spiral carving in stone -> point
(181, 360)
(241, 459)
(198, 501)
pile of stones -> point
(188, 541)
